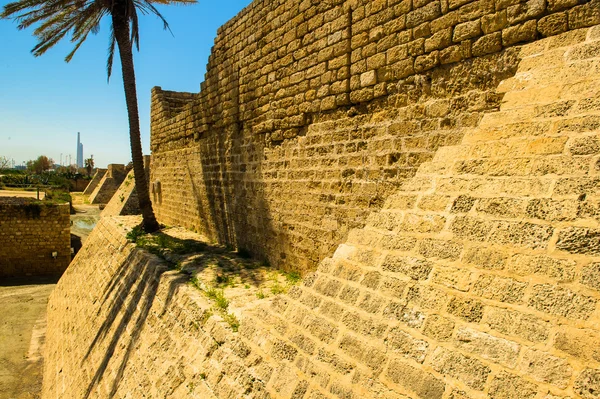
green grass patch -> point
(219, 297)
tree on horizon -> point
(56, 19)
(89, 165)
(40, 165)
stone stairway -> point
(480, 278)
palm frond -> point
(111, 52)
(56, 19)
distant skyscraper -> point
(79, 151)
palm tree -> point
(79, 18)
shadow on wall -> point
(227, 188)
(130, 297)
(139, 285)
(230, 184)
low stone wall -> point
(30, 232)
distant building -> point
(79, 151)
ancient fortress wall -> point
(94, 182)
(108, 185)
(30, 232)
(125, 200)
(313, 112)
(479, 278)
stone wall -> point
(94, 182)
(125, 200)
(313, 113)
(30, 231)
(108, 184)
(478, 279)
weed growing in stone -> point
(135, 233)
(222, 280)
(277, 288)
(219, 297)
(191, 387)
(260, 295)
(292, 278)
(233, 321)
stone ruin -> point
(433, 169)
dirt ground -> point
(21, 194)
(23, 317)
(22, 333)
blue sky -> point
(44, 101)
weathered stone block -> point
(466, 369)
(522, 325)
(427, 62)
(494, 22)
(553, 24)
(588, 384)
(579, 240)
(586, 145)
(426, 13)
(502, 289)
(420, 382)
(487, 346)
(509, 386)
(466, 30)
(546, 368)
(584, 15)
(560, 269)
(415, 268)
(487, 44)
(561, 301)
(355, 348)
(519, 33)
(581, 343)
(402, 343)
(451, 277)
(468, 309)
(438, 327)
(439, 40)
(431, 248)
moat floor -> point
(22, 334)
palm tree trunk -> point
(121, 29)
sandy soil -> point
(21, 194)
(22, 334)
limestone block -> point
(509, 386)
(518, 324)
(588, 384)
(519, 33)
(553, 24)
(467, 369)
(421, 382)
(561, 301)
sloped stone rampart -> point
(94, 182)
(313, 112)
(125, 199)
(108, 184)
(30, 231)
(478, 279)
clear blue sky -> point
(44, 101)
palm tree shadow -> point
(130, 294)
